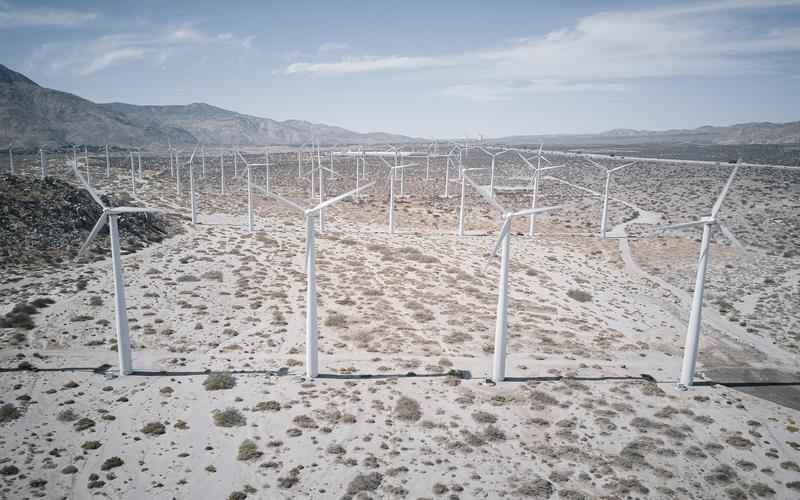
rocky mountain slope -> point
(33, 116)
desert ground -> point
(219, 405)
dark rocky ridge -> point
(46, 222)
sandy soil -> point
(403, 408)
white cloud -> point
(717, 38)
(98, 54)
(504, 91)
(110, 58)
(12, 17)
(365, 64)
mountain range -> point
(742, 133)
(34, 116)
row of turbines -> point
(396, 169)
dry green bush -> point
(219, 381)
(248, 451)
(407, 409)
(229, 417)
(579, 295)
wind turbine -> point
(133, 177)
(493, 156)
(108, 163)
(693, 330)
(139, 157)
(221, 172)
(249, 166)
(312, 350)
(392, 170)
(537, 171)
(501, 326)
(111, 215)
(171, 168)
(43, 162)
(11, 158)
(604, 216)
(463, 193)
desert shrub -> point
(9, 412)
(91, 445)
(492, 433)
(248, 451)
(229, 417)
(407, 409)
(365, 482)
(267, 406)
(67, 415)
(337, 320)
(111, 463)
(579, 295)
(187, 278)
(84, 423)
(154, 429)
(212, 275)
(219, 381)
(484, 417)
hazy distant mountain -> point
(743, 133)
(32, 115)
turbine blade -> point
(286, 201)
(407, 165)
(683, 224)
(484, 195)
(724, 193)
(339, 198)
(92, 235)
(529, 211)
(504, 229)
(88, 187)
(526, 160)
(725, 230)
(191, 158)
(595, 164)
(622, 166)
(123, 210)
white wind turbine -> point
(43, 162)
(493, 156)
(133, 177)
(111, 215)
(392, 170)
(537, 172)
(221, 171)
(604, 215)
(463, 195)
(248, 166)
(501, 326)
(11, 158)
(693, 330)
(312, 350)
(108, 163)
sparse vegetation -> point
(229, 417)
(219, 381)
(579, 295)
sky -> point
(422, 68)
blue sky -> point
(433, 69)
